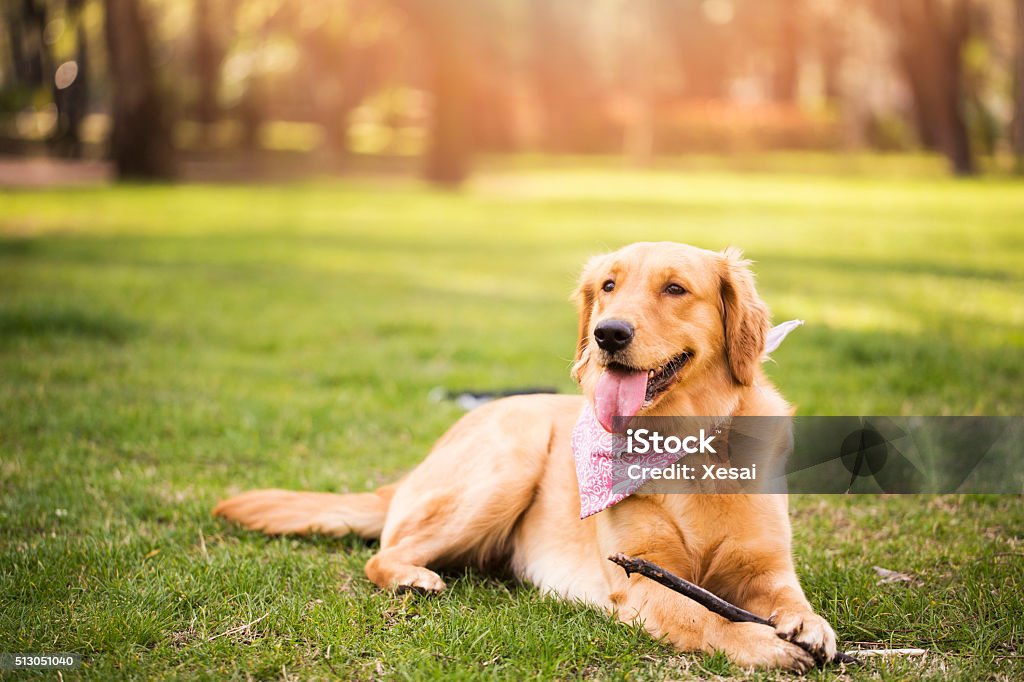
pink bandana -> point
(599, 454)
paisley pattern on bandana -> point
(599, 454)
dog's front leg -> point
(777, 594)
(690, 627)
(636, 527)
(755, 571)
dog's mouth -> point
(623, 390)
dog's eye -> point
(609, 285)
(675, 290)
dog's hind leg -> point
(462, 503)
(279, 512)
(446, 528)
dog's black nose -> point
(613, 335)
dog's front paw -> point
(809, 630)
(417, 579)
(752, 645)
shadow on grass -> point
(844, 371)
(62, 321)
(889, 267)
(17, 246)
(495, 575)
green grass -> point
(162, 347)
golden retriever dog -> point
(500, 485)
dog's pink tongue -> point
(619, 394)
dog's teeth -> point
(650, 375)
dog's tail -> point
(280, 512)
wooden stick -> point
(708, 600)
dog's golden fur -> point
(500, 485)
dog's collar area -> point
(594, 454)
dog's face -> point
(655, 317)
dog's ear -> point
(584, 296)
(745, 316)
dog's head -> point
(654, 318)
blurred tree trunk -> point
(209, 53)
(450, 147)
(706, 52)
(252, 111)
(832, 46)
(140, 138)
(931, 35)
(954, 134)
(1018, 87)
(787, 62)
(33, 66)
(555, 68)
(72, 98)
(640, 23)
(925, 122)
(25, 28)
(445, 39)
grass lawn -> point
(163, 347)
